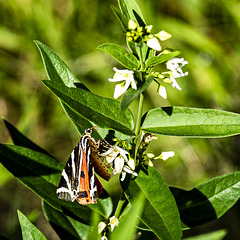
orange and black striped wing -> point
(78, 179)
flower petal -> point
(154, 44)
(162, 92)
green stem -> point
(119, 206)
(138, 128)
(139, 116)
(140, 57)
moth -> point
(78, 180)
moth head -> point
(88, 131)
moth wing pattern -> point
(69, 183)
(99, 166)
(78, 180)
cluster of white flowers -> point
(126, 76)
(121, 161)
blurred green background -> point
(208, 34)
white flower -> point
(154, 44)
(166, 155)
(162, 92)
(113, 222)
(101, 227)
(163, 35)
(119, 157)
(104, 238)
(128, 79)
(175, 65)
(127, 169)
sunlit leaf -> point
(160, 212)
(29, 231)
(191, 122)
(104, 112)
(208, 201)
(124, 57)
(153, 61)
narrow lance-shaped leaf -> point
(153, 61)
(122, 18)
(63, 224)
(59, 72)
(131, 10)
(29, 231)
(208, 201)
(124, 57)
(191, 122)
(104, 112)
(19, 139)
(56, 69)
(160, 212)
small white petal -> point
(104, 238)
(120, 89)
(163, 35)
(119, 163)
(123, 176)
(162, 92)
(165, 155)
(174, 83)
(150, 155)
(131, 163)
(128, 170)
(101, 227)
(154, 44)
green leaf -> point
(124, 57)
(59, 72)
(131, 94)
(21, 140)
(41, 174)
(153, 61)
(56, 69)
(29, 231)
(217, 235)
(128, 223)
(191, 122)
(122, 18)
(80, 122)
(63, 225)
(208, 201)
(160, 212)
(104, 112)
(93, 233)
(132, 11)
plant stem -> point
(119, 206)
(139, 116)
(140, 57)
